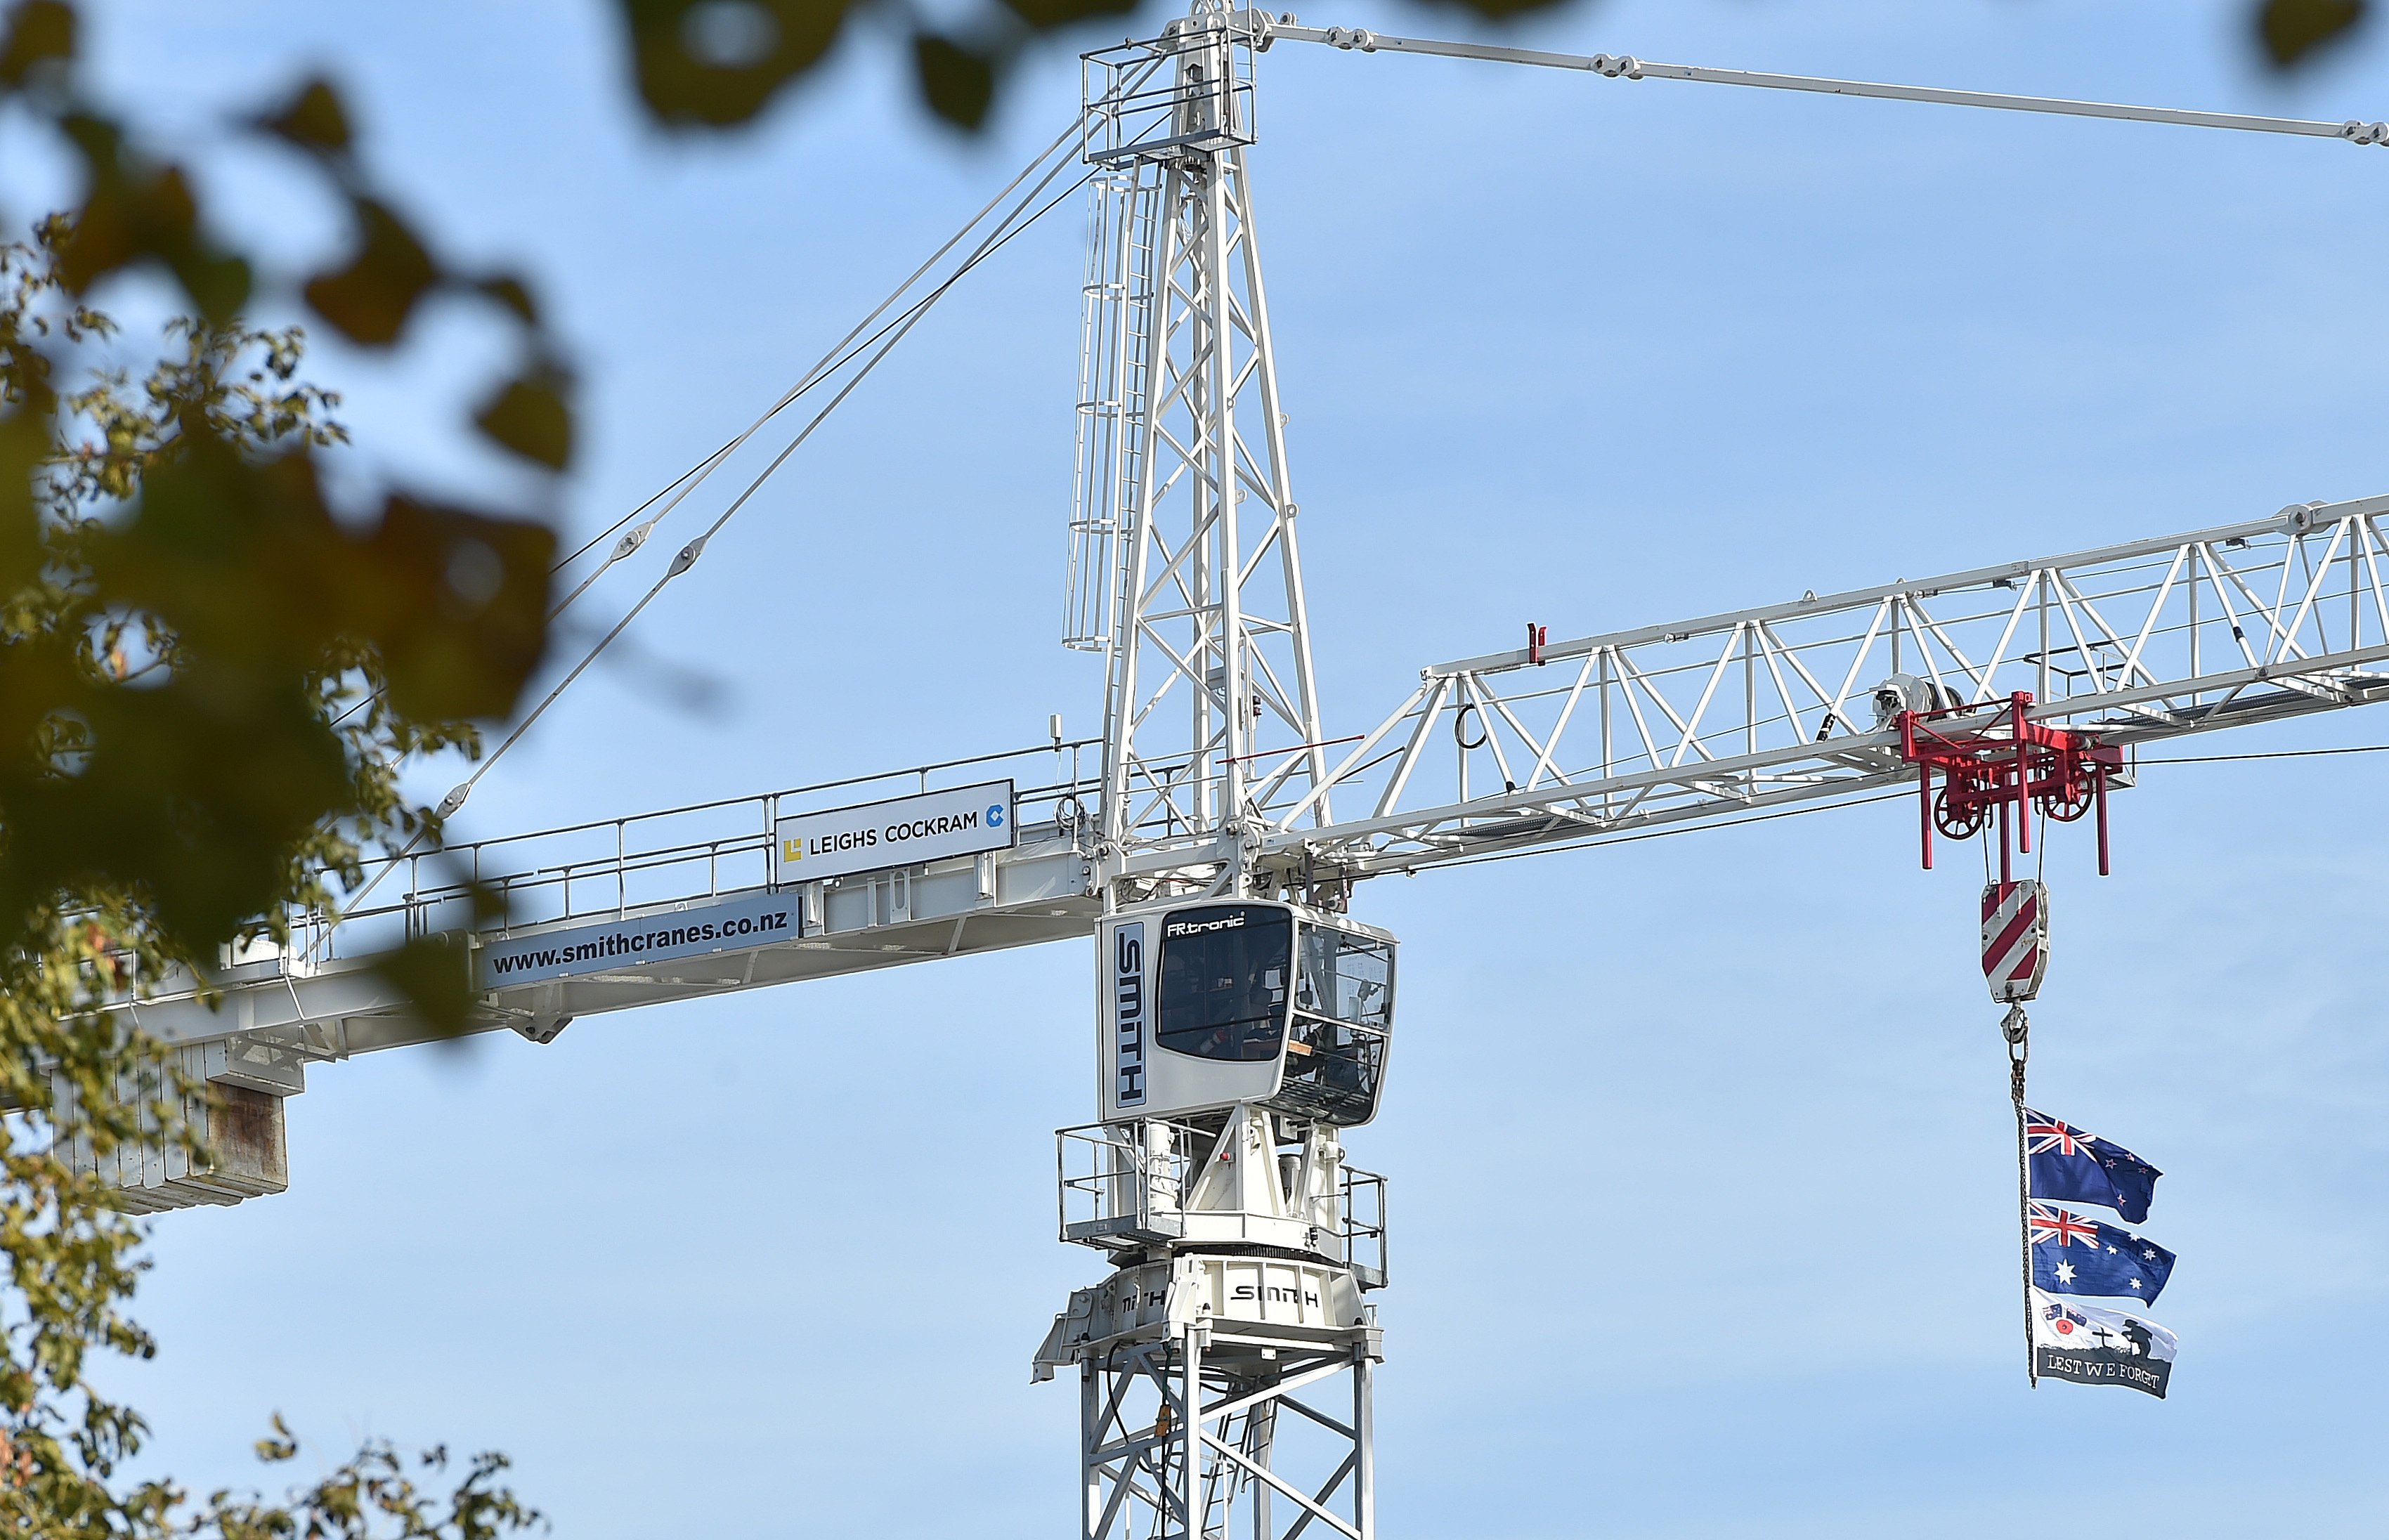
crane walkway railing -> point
(620, 865)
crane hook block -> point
(2015, 939)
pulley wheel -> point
(1955, 823)
(2066, 809)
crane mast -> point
(1187, 569)
(1211, 848)
(1231, 1053)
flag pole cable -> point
(2017, 1030)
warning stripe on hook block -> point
(2015, 939)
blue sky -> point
(1701, 1186)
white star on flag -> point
(2066, 1272)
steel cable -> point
(894, 333)
(886, 338)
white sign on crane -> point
(615, 945)
(906, 831)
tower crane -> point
(1214, 839)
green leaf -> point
(136, 212)
(195, 790)
(2291, 31)
(458, 604)
(1047, 15)
(280, 1446)
(956, 83)
(716, 63)
(24, 446)
(219, 284)
(514, 294)
(371, 298)
(529, 417)
(40, 32)
(434, 972)
(313, 119)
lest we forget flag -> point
(2073, 1255)
(2094, 1346)
(2068, 1163)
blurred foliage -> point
(213, 658)
(718, 63)
(208, 669)
(2289, 33)
(73, 1261)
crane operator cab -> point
(1210, 1004)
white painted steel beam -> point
(1628, 67)
(661, 871)
(1185, 568)
(1726, 714)
(1611, 734)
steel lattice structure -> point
(1757, 708)
(1185, 567)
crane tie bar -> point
(1614, 66)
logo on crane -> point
(1204, 927)
(1127, 1015)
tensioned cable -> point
(2276, 754)
(690, 553)
(1627, 65)
(829, 362)
(1591, 842)
(893, 332)
(677, 489)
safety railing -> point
(1124, 1186)
(1121, 1188)
(1361, 1211)
(610, 867)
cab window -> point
(1342, 1011)
(1346, 978)
(1225, 975)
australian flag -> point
(2075, 1255)
(2067, 1162)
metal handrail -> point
(486, 862)
(1115, 1194)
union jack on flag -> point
(2072, 1255)
(2054, 1137)
(2066, 1229)
(2065, 1162)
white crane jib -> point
(1612, 735)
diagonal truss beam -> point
(1723, 714)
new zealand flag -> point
(2073, 1256)
(2067, 1162)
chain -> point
(2017, 1030)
